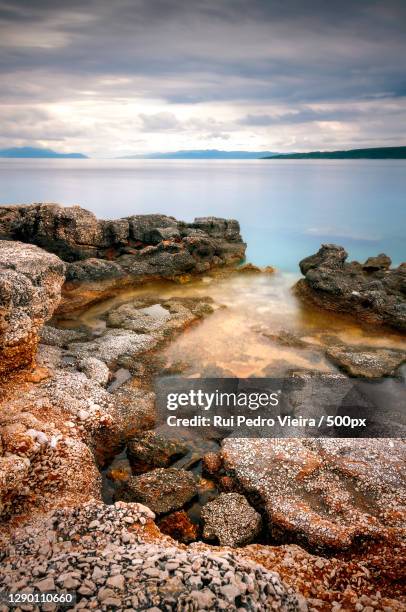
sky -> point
(120, 77)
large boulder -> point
(71, 232)
(329, 493)
(372, 291)
(30, 289)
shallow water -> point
(286, 208)
(234, 341)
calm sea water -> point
(286, 208)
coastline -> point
(75, 426)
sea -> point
(286, 208)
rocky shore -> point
(104, 256)
(373, 291)
(287, 524)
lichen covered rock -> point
(231, 520)
(30, 285)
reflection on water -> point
(242, 338)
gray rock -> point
(366, 362)
(231, 520)
(114, 344)
(95, 369)
(373, 292)
(162, 490)
(151, 450)
(54, 336)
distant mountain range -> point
(373, 153)
(203, 154)
(32, 152)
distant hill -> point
(204, 154)
(32, 152)
(375, 153)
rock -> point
(211, 463)
(380, 262)
(142, 226)
(141, 320)
(45, 585)
(104, 256)
(116, 582)
(231, 520)
(54, 336)
(248, 268)
(30, 284)
(162, 490)
(70, 232)
(14, 470)
(93, 270)
(95, 369)
(366, 362)
(372, 292)
(151, 450)
(326, 492)
(287, 338)
(179, 526)
(112, 345)
(135, 409)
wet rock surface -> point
(162, 490)
(231, 520)
(30, 286)
(327, 493)
(372, 291)
(179, 526)
(152, 450)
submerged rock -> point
(179, 526)
(248, 268)
(151, 450)
(162, 490)
(373, 292)
(30, 285)
(231, 520)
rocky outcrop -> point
(30, 286)
(106, 255)
(372, 291)
(328, 493)
(231, 520)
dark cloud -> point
(287, 49)
(253, 55)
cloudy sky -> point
(116, 77)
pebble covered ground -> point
(111, 557)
